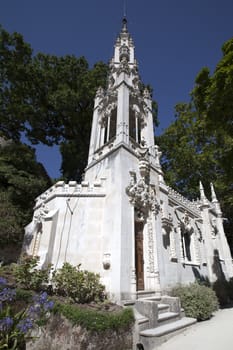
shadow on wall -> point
(222, 287)
(166, 238)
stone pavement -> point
(214, 334)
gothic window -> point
(134, 123)
(189, 246)
(190, 250)
(186, 241)
(110, 126)
(113, 121)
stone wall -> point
(60, 334)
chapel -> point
(123, 221)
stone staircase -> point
(156, 320)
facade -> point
(123, 221)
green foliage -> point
(197, 300)
(15, 58)
(80, 285)
(198, 145)
(28, 276)
(96, 320)
(22, 179)
(16, 325)
(48, 98)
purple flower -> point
(41, 298)
(7, 294)
(49, 305)
(6, 323)
(2, 281)
(24, 325)
(34, 311)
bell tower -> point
(123, 112)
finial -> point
(124, 25)
(213, 194)
(202, 193)
(215, 201)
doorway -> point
(139, 258)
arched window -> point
(134, 122)
(110, 126)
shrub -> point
(81, 286)
(96, 320)
(28, 276)
(197, 300)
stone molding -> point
(71, 189)
(184, 202)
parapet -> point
(72, 189)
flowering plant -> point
(16, 327)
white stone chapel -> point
(122, 221)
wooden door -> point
(139, 261)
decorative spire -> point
(213, 194)
(202, 194)
(215, 201)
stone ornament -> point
(106, 261)
(141, 193)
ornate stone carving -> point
(150, 245)
(106, 261)
(184, 202)
(141, 193)
(43, 211)
(105, 112)
(123, 67)
(185, 224)
(214, 228)
(167, 222)
(146, 94)
(100, 92)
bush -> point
(197, 300)
(96, 320)
(29, 277)
(80, 285)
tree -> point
(48, 99)
(199, 144)
(22, 179)
(15, 58)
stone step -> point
(150, 338)
(163, 308)
(128, 302)
(148, 295)
(168, 317)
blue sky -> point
(173, 40)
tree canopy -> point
(48, 99)
(198, 145)
(22, 179)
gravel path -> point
(214, 334)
